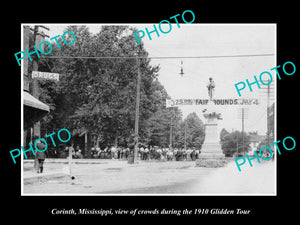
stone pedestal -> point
(211, 152)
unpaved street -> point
(155, 177)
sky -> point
(210, 40)
(192, 40)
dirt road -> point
(177, 177)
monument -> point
(211, 152)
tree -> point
(223, 134)
(158, 126)
(194, 129)
(98, 95)
(232, 143)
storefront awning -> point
(31, 101)
(34, 110)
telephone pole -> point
(269, 90)
(35, 67)
(185, 135)
(237, 144)
(171, 130)
(268, 105)
(242, 116)
(137, 112)
(243, 139)
(35, 85)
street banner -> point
(237, 102)
(45, 75)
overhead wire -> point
(155, 57)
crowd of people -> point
(145, 153)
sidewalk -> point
(57, 167)
(106, 170)
(54, 168)
(74, 161)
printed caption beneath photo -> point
(140, 212)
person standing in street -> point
(146, 153)
(40, 156)
(193, 155)
(142, 152)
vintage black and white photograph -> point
(149, 109)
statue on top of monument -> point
(211, 88)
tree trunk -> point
(87, 144)
(116, 141)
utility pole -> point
(237, 144)
(171, 131)
(137, 112)
(35, 67)
(269, 92)
(242, 116)
(35, 85)
(35, 89)
(243, 142)
(70, 160)
(268, 122)
(185, 135)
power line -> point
(154, 57)
(157, 57)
